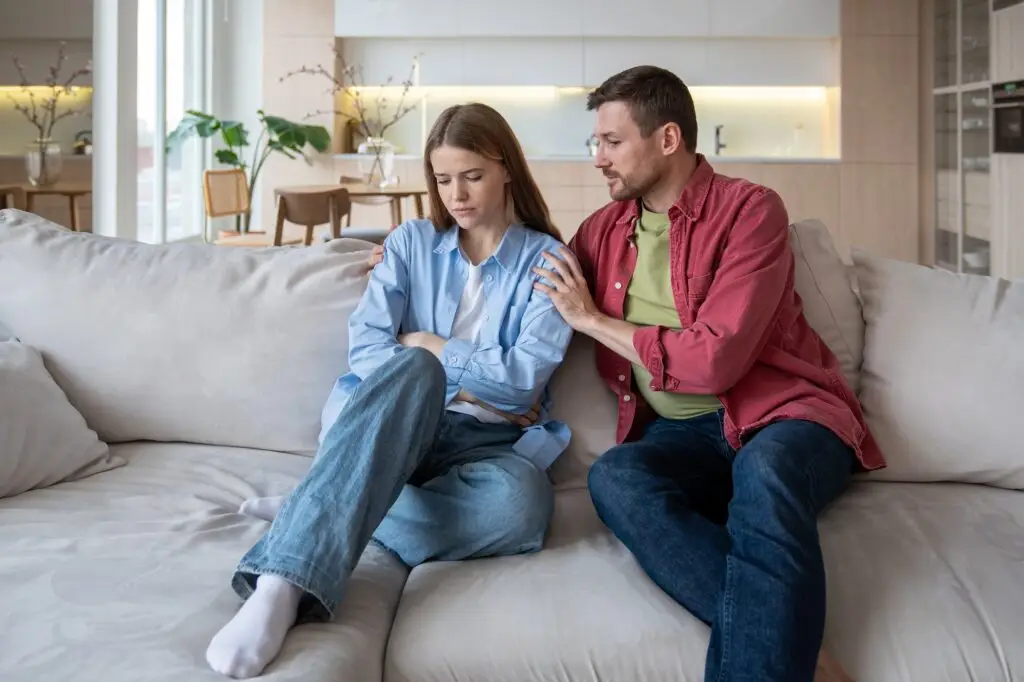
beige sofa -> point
(201, 373)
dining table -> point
(394, 193)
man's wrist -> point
(592, 322)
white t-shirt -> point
(469, 323)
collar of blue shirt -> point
(506, 253)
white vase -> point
(377, 161)
(43, 163)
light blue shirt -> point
(417, 287)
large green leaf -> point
(318, 138)
(234, 133)
(280, 148)
(228, 157)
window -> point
(172, 76)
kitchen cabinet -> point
(396, 18)
(647, 19)
(772, 62)
(588, 18)
(685, 58)
(718, 62)
(962, 136)
(511, 62)
(589, 61)
(776, 19)
(523, 18)
(1008, 44)
(440, 60)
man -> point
(735, 427)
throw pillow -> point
(43, 439)
(943, 372)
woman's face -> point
(472, 187)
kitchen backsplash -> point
(794, 122)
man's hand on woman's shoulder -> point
(376, 256)
(377, 252)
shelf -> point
(963, 128)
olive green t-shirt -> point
(649, 301)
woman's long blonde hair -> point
(480, 129)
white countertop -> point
(7, 156)
(714, 160)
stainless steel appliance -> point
(1008, 117)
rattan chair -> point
(226, 193)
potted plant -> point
(39, 104)
(277, 135)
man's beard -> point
(632, 190)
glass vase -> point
(43, 163)
(377, 162)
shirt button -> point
(487, 318)
(626, 398)
(489, 278)
(622, 377)
(618, 285)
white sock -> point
(254, 637)
(265, 508)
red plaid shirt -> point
(744, 337)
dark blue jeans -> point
(731, 535)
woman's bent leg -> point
(480, 498)
(380, 437)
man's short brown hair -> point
(655, 96)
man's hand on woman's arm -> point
(568, 290)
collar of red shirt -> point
(690, 202)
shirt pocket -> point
(697, 289)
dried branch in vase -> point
(372, 119)
(41, 112)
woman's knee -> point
(419, 364)
(523, 504)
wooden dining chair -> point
(13, 196)
(226, 193)
(395, 203)
(310, 208)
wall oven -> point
(1008, 117)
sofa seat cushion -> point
(925, 581)
(125, 575)
(578, 610)
(924, 584)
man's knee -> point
(792, 467)
(611, 474)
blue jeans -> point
(731, 535)
(395, 466)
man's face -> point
(631, 163)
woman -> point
(428, 444)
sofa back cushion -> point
(183, 342)
(942, 383)
(830, 306)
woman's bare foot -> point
(829, 670)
